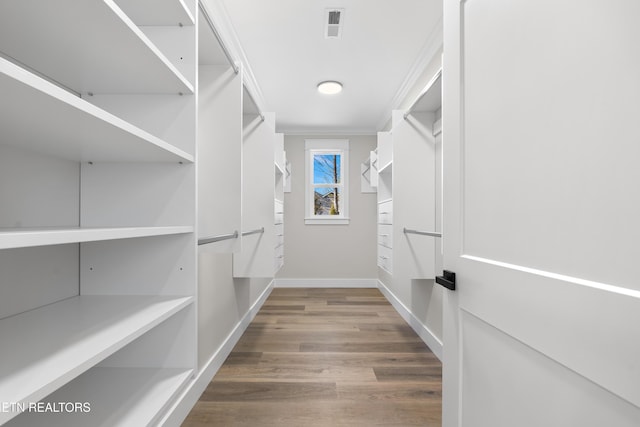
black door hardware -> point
(448, 280)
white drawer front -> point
(385, 258)
(279, 230)
(385, 235)
(385, 212)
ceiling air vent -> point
(334, 19)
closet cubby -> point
(87, 47)
(159, 12)
(107, 387)
(97, 232)
(36, 116)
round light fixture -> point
(330, 87)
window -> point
(327, 198)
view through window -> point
(327, 175)
(327, 183)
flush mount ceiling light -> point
(330, 87)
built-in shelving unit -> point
(46, 347)
(97, 224)
(158, 12)
(385, 201)
(409, 178)
(154, 388)
(279, 184)
(88, 47)
(96, 135)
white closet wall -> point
(257, 256)
(98, 248)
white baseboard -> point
(433, 342)
(179, 411)
(326, 283)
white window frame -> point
(319, 146)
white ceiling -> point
(283, 42)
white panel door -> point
(541, 149)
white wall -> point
(329, 251)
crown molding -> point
(431, 47)
(222, 22)
(324, 132)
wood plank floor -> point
(325, 357)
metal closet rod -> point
(213, 239)
(423, 93)
(233, 235)
(225, 50)
(422, 233)
(256, 231)
(217, 35)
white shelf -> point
(28, 237)
(430, 99)
(109, 391)
(157, 12)
(278, 168)
(40, 116)
(385, 201)
(385, 168)
(88, 46)
(46, 348)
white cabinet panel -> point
(219, 156)
(98, 245)
(385, 149)
(385, 212)
(256, 257)
(414, 195)
(385, 258)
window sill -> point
(326, 221)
